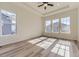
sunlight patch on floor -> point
(62, 48)
(47, 43)
(34, 41)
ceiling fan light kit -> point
(45, 4)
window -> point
(58, 25)
(55, 25)
(7, 23)
(48, 26)
(65, 24)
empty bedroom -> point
(39, 29)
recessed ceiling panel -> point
(57, 6)
(34, 5)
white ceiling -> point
(57, 6)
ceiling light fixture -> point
(45, 4)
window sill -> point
(7, 35)
(55, 32)
(48, 32)
(65, 32)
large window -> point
(48, 26)
(58, 25)
(65, 24)
(7, 23)
(55, 25)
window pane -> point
(7, 23)
(6, 29)
(5, 19)
(55, 24)
(13, 28)
(48, 26)
(0, 25)
(65, 24)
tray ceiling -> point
(57, 6)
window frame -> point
(10, 24)
(69, 25)
(58, 25)
(50, 26)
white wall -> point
(28, 24)
(73, 26)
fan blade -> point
(45, 7)
(50, 5)
(45, 2)
(40, 5)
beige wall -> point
(78, 26)
(73, 26)
(28, 24)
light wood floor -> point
(41, 47)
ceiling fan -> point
(45, 4)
